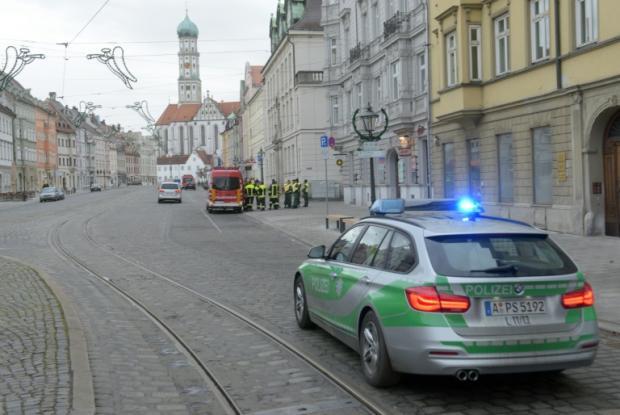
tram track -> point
(352, 390)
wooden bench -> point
(347, 222)
(335, 218)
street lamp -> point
(259, 157)
(369, 124)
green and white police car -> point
(438, 288)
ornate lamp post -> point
(369, 124)
(259, 157)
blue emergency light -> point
(387, 206)
(468, 207)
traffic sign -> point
(332, 142)
(324, 141)
(339, 162)
(325, 153)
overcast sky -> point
(231, 33)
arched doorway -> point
(392, 174)
(611, 174)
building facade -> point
(521, 116)
(375, 54)
(252, 119)
(46, 123)
(7, 117)
(295, 98)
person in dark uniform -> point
(296, 190)
(249, 194)
(305, 191)
(288, 190)
(261, 193)
(274, 195)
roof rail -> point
(498, 218)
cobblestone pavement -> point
(246, 265)
(34, 349)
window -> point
(383, 251)
(586, 21)
(359, 95)
(202, 135)
(473, 153)
(475, 60)
(451, 62)
(376, 23)
(401, 257)
(504, 143)
(394, 72)
(539, 14)
(369, 245)
(335, 114)
(343, 247)
(378, 91)
(333, 55)
(449, 170)
(422, 72)
(543, 166)
(502, 37)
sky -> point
(232, 32)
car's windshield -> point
(497, 255)
(169, 186)
(225, 183)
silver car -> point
(169, 191)
(435, 292)
(51, 193)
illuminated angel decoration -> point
(114, 59)
(14, 62)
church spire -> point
(190, 85)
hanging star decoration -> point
(114, 59)
(14, 62)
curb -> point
(83, 396)
(609, 327)
(287, 233)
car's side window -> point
(341, 250)
(383, 251)
(369, 244)
(402, 257)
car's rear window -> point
(48, 190)
(226, 183)
(169, 186)
(497, 255)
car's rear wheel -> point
(374, 357)
(301, 305)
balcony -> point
(392, 25)
(309, 78)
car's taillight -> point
(177, 191)
(161, 190)
(429, 300)
(580, 298)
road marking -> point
(211, 220)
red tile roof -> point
(178, 113)
(257, 76)
(166, 160)
(206, 158)
(229, 107)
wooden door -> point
(611, 167)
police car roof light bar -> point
(383, 207)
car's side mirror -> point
(318, 252)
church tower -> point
(189, 63)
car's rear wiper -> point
(501, 269)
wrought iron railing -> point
(392, 25)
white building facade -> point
(6, 148)
(375, 53)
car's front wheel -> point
(301, 305)
(374, 357)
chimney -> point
(52, 96)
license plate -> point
(514, 307)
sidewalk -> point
(597, 256)
(39, 367)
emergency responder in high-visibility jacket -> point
(261, 192)
(274, 195)
(288, 191)
(249, 194)
(296, 189)
(305, 190)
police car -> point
(436, 287)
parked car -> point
(417, 290)
(169, 191)
(51, 193)
(226, 191)
(95, 188)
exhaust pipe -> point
(473, 375)
(461, 375)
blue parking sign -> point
(324, 141)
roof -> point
(227, 108)
(178, 159)
(187, 28)
(452, 223)
(178, 113)
(256, 74)
(206, 158)
(311, 20)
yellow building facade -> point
(525, 110)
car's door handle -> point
(334, 275)
(365, 279)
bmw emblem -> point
(518, 289)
